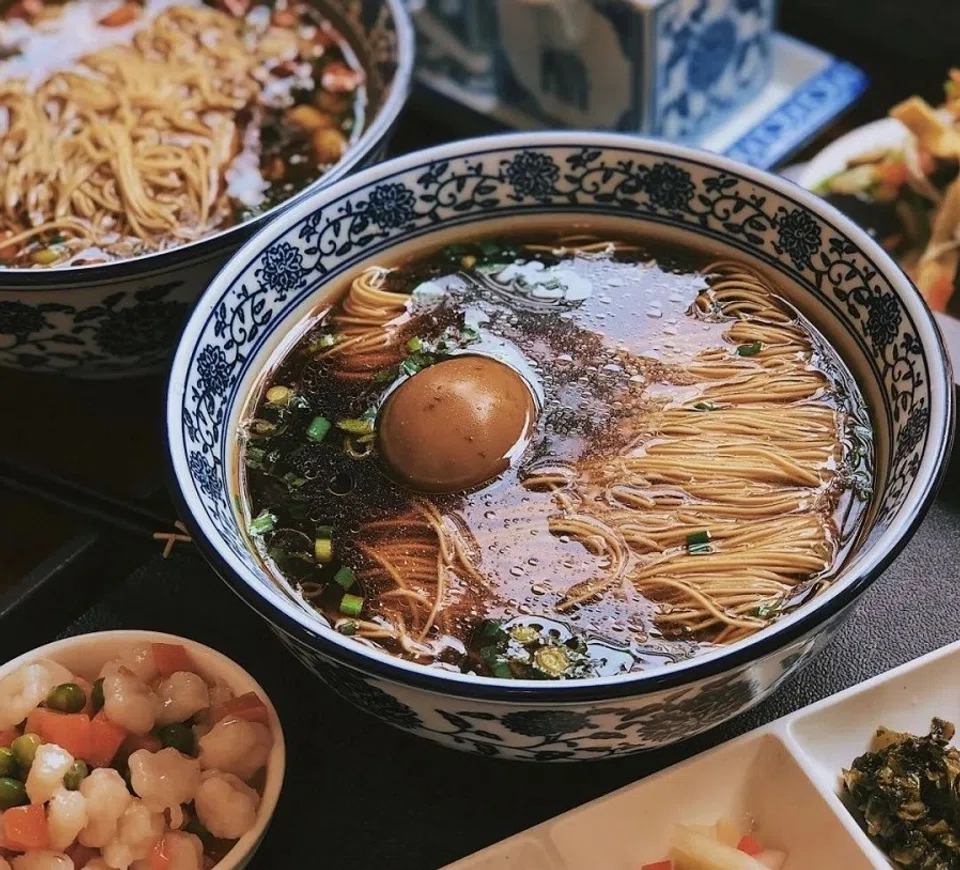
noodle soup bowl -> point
(831, 270)
(122, 319)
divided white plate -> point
(808, 89)
(784, 778)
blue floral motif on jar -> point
(391, 206)
(711, 53)
(546, 723)
(214, 369)
(532, 173)
(21, 320)
(140, 330)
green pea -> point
(13, 793)
(96, 695)
(8, 763)
(25, 749)
(77, 773)
(180, 737)
(67, 698)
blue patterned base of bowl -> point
(807, 90)
(830, 268)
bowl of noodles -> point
(557, 445)
(144, 140)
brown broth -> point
(597, 365)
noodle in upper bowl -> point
(129, 129)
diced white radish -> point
(693, 850)
(774, 859)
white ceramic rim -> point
(233, 674)
(863, 568)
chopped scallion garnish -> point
(355, 426)
(294, 480)
(318, 428)
(384, 376)
(323, 550)
(254, 456)
(326, 341)
(699, 549)
(414, 345)
(324, 531)
(279, 394)
(704, 406)
(345, 577)
(749, 349)
(351, 605)
(694, 538)
(262, 523)
(348, 628)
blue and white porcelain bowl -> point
(122, 319)
(832, 271)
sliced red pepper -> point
(247, 706)
(171, 658)
(749, 844)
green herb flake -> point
(348, 628)
(345, 578)
(262, 523)
(695, 539)
(704, 406)
(699, 549)
(750, 349)
(253, 457)
(386, 376)
(351, 605)
(415, 345)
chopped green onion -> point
(324, 531)
(262, 523)
(351, 605)
(695, 538)
(291, 479)
(766, 611)
(345, 577)
(254, 456)
(355, 426)
(356, 450)
(415, 345)
(749, 349)
(347, 628)
(318, 428)
(501, 669)
(490, 630)
(386, 375)
(470, 335)
(413, 364)
(704, 406)
(323, 549)
(279, 394)
(699, 549)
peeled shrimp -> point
(235, 746)
(137, 831)
(164, 779)
(42, 861)
(26, 688)
(107, 798)
(129, 703)
(181, 695)
(226, 806)
(138, 660)
(183, 851)
(66, 817)
(47, 771)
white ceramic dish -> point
(784, 778)
(85, 654)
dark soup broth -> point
(131, 127)
(556, 458)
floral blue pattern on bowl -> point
(122, 319)
(851, 288)
(673, 68)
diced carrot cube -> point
(247, 706)
(170, 658)
(70, 731)
(25, 828)
(749, 844)
(105, 740)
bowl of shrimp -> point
(134, 750)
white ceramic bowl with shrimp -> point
(85, 654)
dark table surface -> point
(359, 794)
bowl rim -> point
(206, 247)
(875, 558)
(248, 844)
